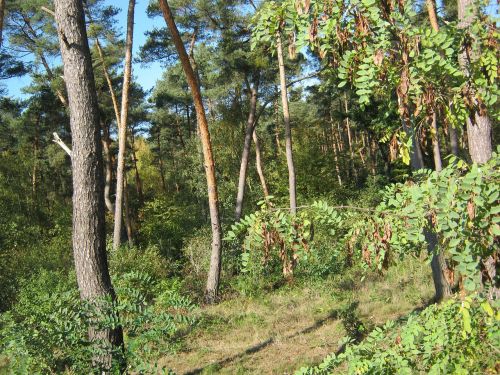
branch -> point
(47, 10)
(61, 143)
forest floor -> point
(295, 326)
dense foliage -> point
(45, 329)
(387, 99)
(427, 343)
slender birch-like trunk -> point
(288, 130)
(122, 128)
(211, 292)
(258, 165)
(253, 92)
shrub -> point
(455, 337)
(46, 330)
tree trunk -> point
(372, 150)
(2, 13)
(212, 288)
(288, 131)
(89, 231)
(188, 119)
(431, 10)
(161, 165)
(178, 128)
(122, 128)
(128, 214)
(436, 152)
(349, 138)
(453, 140)
(335, 154)
(106, 144)
(277, 129)
(36, 147)
(109, 83)
(258, 165)
(478, 122)
(253, 91)
(138, 181)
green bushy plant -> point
(46, 330)
(164, 224)
(455, 337)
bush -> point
(148, 260)
(46, 330)
(164, 224)
(455, 337)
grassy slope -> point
(286, 329)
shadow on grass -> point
(335, 314)
(348, 316)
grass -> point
(297, 325)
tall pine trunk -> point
(122, 127)
(89, 236)
(212, 287)
(288, 130)
(478, 122)
(253, 92)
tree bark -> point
(288, 131)
(349, 138)
(109, 82)
(335, 154)
(431, 10)
(258, 165)
(453, 140)
(253, 91)
(436, 151)
(106, 144)
(89, 236)
(211, 292)
(138, 181)
(122, 129)
(277, 130)
(36, 147)
(478, 122)
(371, 154)
(128, 215)
(179, 129)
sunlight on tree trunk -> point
(211, 292)
(122, 127)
